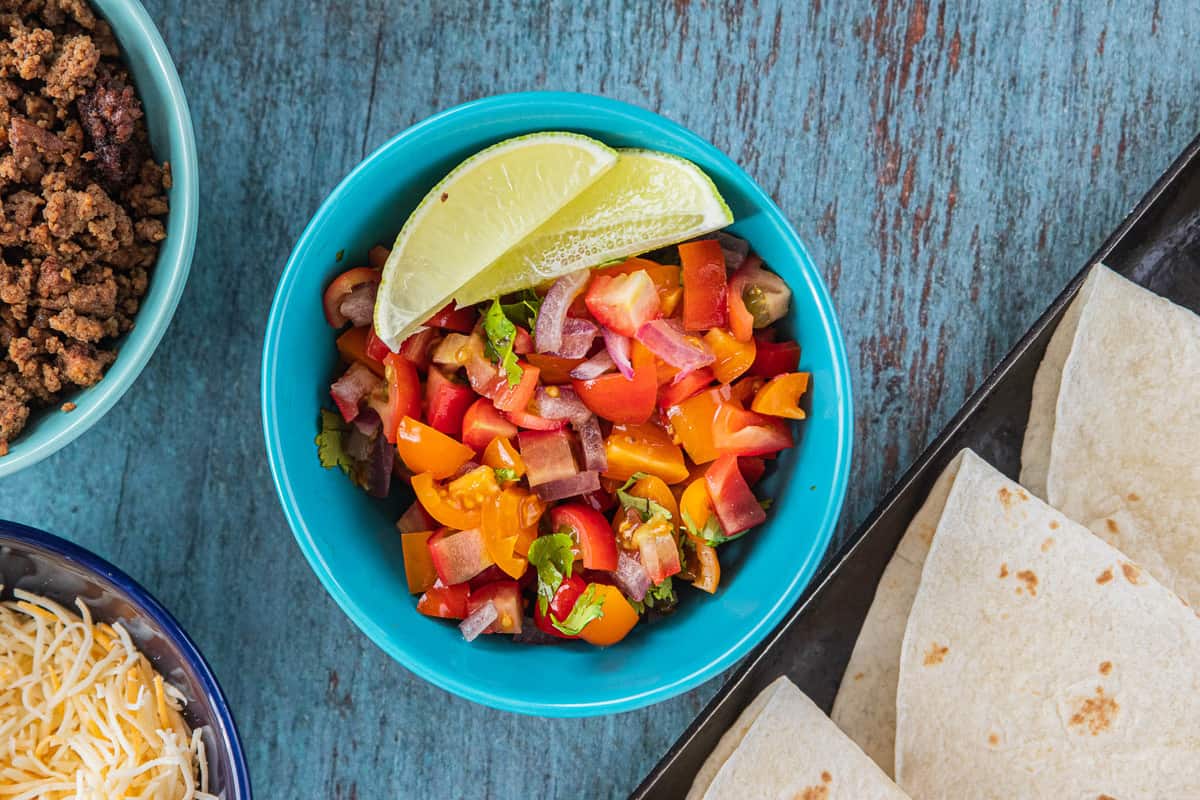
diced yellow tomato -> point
(475, 489)
(643, 448)
(418, 565)
(692, 422)
(500, 533)
(655, 489)
(500, 454)
(781, 396)
(426, 449)
(733, 357)
(352, 346)
(618, 620)
(696, 507)
(439, 505)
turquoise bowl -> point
(171, 138)
(349, 539)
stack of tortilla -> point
(1009, 652)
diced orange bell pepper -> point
(619, 617)
(352, 346)
(426, 449)
(500, 454)
(692, 422)
(438, 504)
(643, 448)
(733, 357)
(781, 396)
(418, 565)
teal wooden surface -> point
(950, 164)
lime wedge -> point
(648, 200)
(485, 206)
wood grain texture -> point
(949, 164)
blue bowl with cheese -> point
(350, 540)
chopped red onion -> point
(549, 329)
(735, 248)
(594, 367)
(547, 455)
(357, 444)
(350, 389)
(562, 488)
(368, 422)
(561, 403)
(631, 577)
(673, 346)
(591, 441)
(479, 620)
(359, 305)
(577, 338)
(618, 347)
(379, 468)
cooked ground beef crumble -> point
(82, 204)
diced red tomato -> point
(600, 500)
(340, 288)
(704, 287)
(357, 384)
(403, 394)
(417, 348)
(532, 422)
(744, 433)
(446, 403)
(734, 503)
(522, 342)
(741, 321)
(560, 606)
(660, 556)
(547, 455)
(458, 556)
(752, 468)
(617, 399)
(453, 319)
(507, 397)
(774, 358)
(446, 602)
(623, 303)
(506, 596)
(482, 423)
(693, 383)
(376, 348)
(591, 531)
(415, 518)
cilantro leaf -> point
(524, 310)
(329, 442)
(553, 557)
(712, 533)
(766, 503)
(505, 474)
(587, 608)
(661, 596)
(501, 333)
(644, 506)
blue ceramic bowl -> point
(170, 126)
(349, 539)
(43, 564)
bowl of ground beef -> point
(98, 204)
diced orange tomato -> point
(438, 504)
(418, 565)
(619, 617)
(781, 396)
(555, 371)
(426, 449)
(692, 422)
(500, 454)
(695, 505)
(617, 399)
(655, 489)
(733, 357)
(474, 489)
(503, 526)
(643, 448)
(739, 432)
(704, 285)
(482, 423)
(696, 508)
(352, 346)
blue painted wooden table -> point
(949, 163)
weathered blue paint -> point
(950, 165)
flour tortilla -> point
(1041, 662)
(1114, 426)
(865, 707)
(783, 747)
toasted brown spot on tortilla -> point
(935, 654)
(993, 739)
(1132, 573)
(1133, 498)
(1030, 580)
(858, 676)
(445, 197)
(1095, 714)
(1105, 667)
(1106, 797)
(1004, 570)
(813, 793)
(1005, 495)
(1053, 524)
(1104, 577)
(826, 777)
(1021, 493)
(1046, 545)
(1112, 526)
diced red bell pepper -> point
(482, 423)
(774, 358)
(533, 422)
(506, 596)
(735, 505)
(660, 556)
(507, 397)
(623, 303)
(560, 606)
(691, 384)
(446, 403)
(458, 556)
(704, 285)
(453, 319)
(739, 432)
(445, 602)
(547, 455)
(340, 288)
(618, 399)
(591, 530)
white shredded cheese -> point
(83, 715)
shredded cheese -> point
(83, 714)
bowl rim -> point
(615, 109)
(25, 451)
(148, 605)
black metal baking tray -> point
(1158, 246)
